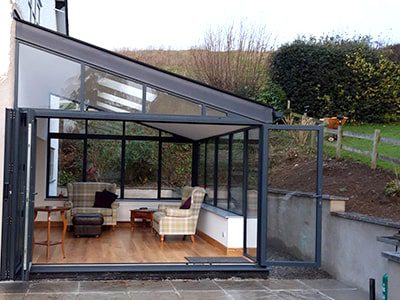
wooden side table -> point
(48, 242)
(144, 214)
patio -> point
(312, 289)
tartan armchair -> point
(81, 196)
(170, 220)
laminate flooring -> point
(120, 246)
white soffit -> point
(195, 131)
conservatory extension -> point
(87, 121)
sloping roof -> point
(139, 71)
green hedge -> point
(333, 76)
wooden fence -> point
(375, 138)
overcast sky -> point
(180, 24)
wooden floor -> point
(121, 246)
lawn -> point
(387, 130)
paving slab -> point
(154, 295)
(240, 285)
(204, 295)
(283, 284)
(41, 296)
(102, 296)
(195, 285)
(300, 295)
(247, 295)
(53, 287)
(326, 284)
(14, 287)
(346, 294)
(12, 296)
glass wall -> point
(46, 80)
(158, 102)
(237, 173)
(104, 161)
(292, 176)
(223, 172)
(107, 92)
(131, 155)
(65, 165)
(252, 191)
(50, 81)
(210, 165)
(202, 165)
(176, 168)
(141, 169)
(234, 160)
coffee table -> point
(144, 214)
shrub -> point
(274, 95)
(314, 74)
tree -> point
(233, 59)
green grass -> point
(387, 130)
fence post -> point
(339, 141)
(374, 153)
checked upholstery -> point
(81, 196)
(170, 220)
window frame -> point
(85, 137)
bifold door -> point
(18, 194)
(291, 223)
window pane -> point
(214, 112)
(223, 156)
(104, 161)
(132, 128)
(105, 127)
(158, 102)
(65, 164)
(108, 92)
(202, 162)
(46, 80)
(141, 169)
(292, 175)
(176, 168)
(252, 192)
(67, 126)
(210, 172)
(237, 173)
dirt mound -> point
(364, 187)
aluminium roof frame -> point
(146, 74)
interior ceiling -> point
(195, 131)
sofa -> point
(81, 197)
(171, 220)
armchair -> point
(170, 220)
(81, 197)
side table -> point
(48, 242)
(144, 214)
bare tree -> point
(233, 58)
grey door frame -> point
(318, 196)
(18, 200)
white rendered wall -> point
(228, 231)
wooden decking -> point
(121, 246)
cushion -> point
(106, 212)
(104, 199)
(186, 204)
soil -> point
(363, 186)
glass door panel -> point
(293, 195)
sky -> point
(180, 24)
